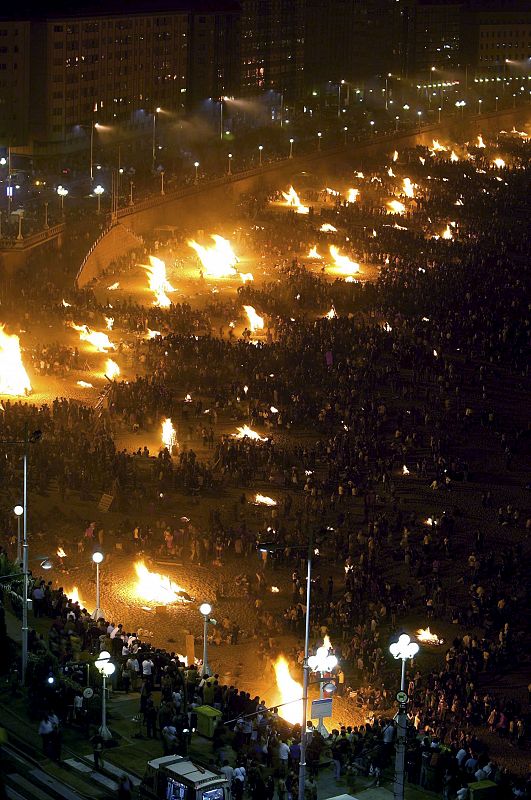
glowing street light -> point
(322, 662)
(18, 511)
(319, 135)
(479, 106)
(104, 665)
(403, 650)
(62, 192)
(205, 609)
(97, 557)
(291, 147)
(260, 148)
(196, 165)
(345, 131)
(98, 191)
(229, 158)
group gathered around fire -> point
(411, 395)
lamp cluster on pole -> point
(404, 649)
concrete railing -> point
(27, 242)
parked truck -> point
(178, 778)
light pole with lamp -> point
(131, 193)
(439, 110)
(322, 662)
(97, 558)
(205, 609)
(319, 135)
(18, 511)
(270, 548)
(162, 182)
(93, 127)
(291, 147)
(397, 120)
(419, 115)
(404, 649)
(62, 191)
(153, 141)
(387, 90)
(345, 131)
(479, 106)
(341, 83)
(260, 148)
(106, 668)
(229, 159)
(26, 441)
(496, 98)
(98, 191)
(196, 165)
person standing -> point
(97, 749)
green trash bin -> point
(207, 719)
(482, 790)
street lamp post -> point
(387, 90)
(229, 165)
(322, 662)
(345, 131)
(291, 148)
(131, 193)
(260, 148)
(18, 511)
(196, 165)
(62, 191)
(153, 142)
(397, 120)
(479, 106)
(26, 441)
(319, 135)
(46, 215)
(439, 110)
(403, 649)
(106, 668)
(419, 115)
(98, 191)
(205, 609)
(341, 83)
(97, 558)
(496, 98)
(162, 182)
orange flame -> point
(156, 588)
(14, 379)
(290, 693)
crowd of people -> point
(411, 396)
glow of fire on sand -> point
(246, 276)
(246, 432)
(169, 435)
(153, 334)
(405, 470)
(263, 500)
(480, 143)
(292, 200)
(112, 370)
(352, 196)
(395, 155)
(256, 322)
(426, 636)
(109, 321)
(391, 173)
(218, 261)
(313, 253)
(327, 228)
(396, 207)
(158, 281)
(113, 287)
(66, 305)
(290, 693)
(408, 187)
(453, 156)
(332, 314)
(343, 263)
(275, 589)
(14, 379)
(499, 162)
(60, 552)
(437, 147)
(99, 340)
(155, 588)
(84, 385)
